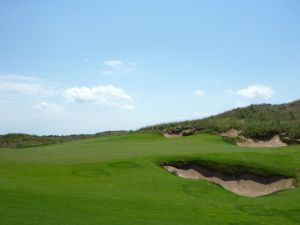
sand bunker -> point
(247, 184)
(168, 135)
(273, 142)
(231, 133)
(179, 132)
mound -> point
(255, 121)
(245, 184)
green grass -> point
(117, 180)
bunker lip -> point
(244, 183)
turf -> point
(117, 180)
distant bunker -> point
(179, 132)
(271, 142)
(242, 181)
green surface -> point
(116, 180)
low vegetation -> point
(26, 140)
(255, 121)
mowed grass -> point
(117, 180)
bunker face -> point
(272, 142)
(246, 184)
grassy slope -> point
(116, 180)
(256, 121)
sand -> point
(247, 184)
(273, 142)
(167, 135)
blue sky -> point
(88, 66)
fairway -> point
(117, 180)
(150, 112)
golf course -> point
(117, 179)
(150, 112)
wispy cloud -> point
(256, 91)
(199, 93)
(118, 67)
(105, 95)
(48, 107)
(25, 85)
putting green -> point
(117, 180)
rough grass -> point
(255, 121)
(117, 180)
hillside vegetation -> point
(27, 140)
(255, 121)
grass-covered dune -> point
(255, 121)
(19, 140)
(118, 180)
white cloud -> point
(25, 85)
(118, 67)
(291, 100)
(242, 104)
(256, 91)
(105, 95)
(117, 64)
(48, 107)
(199, 93)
